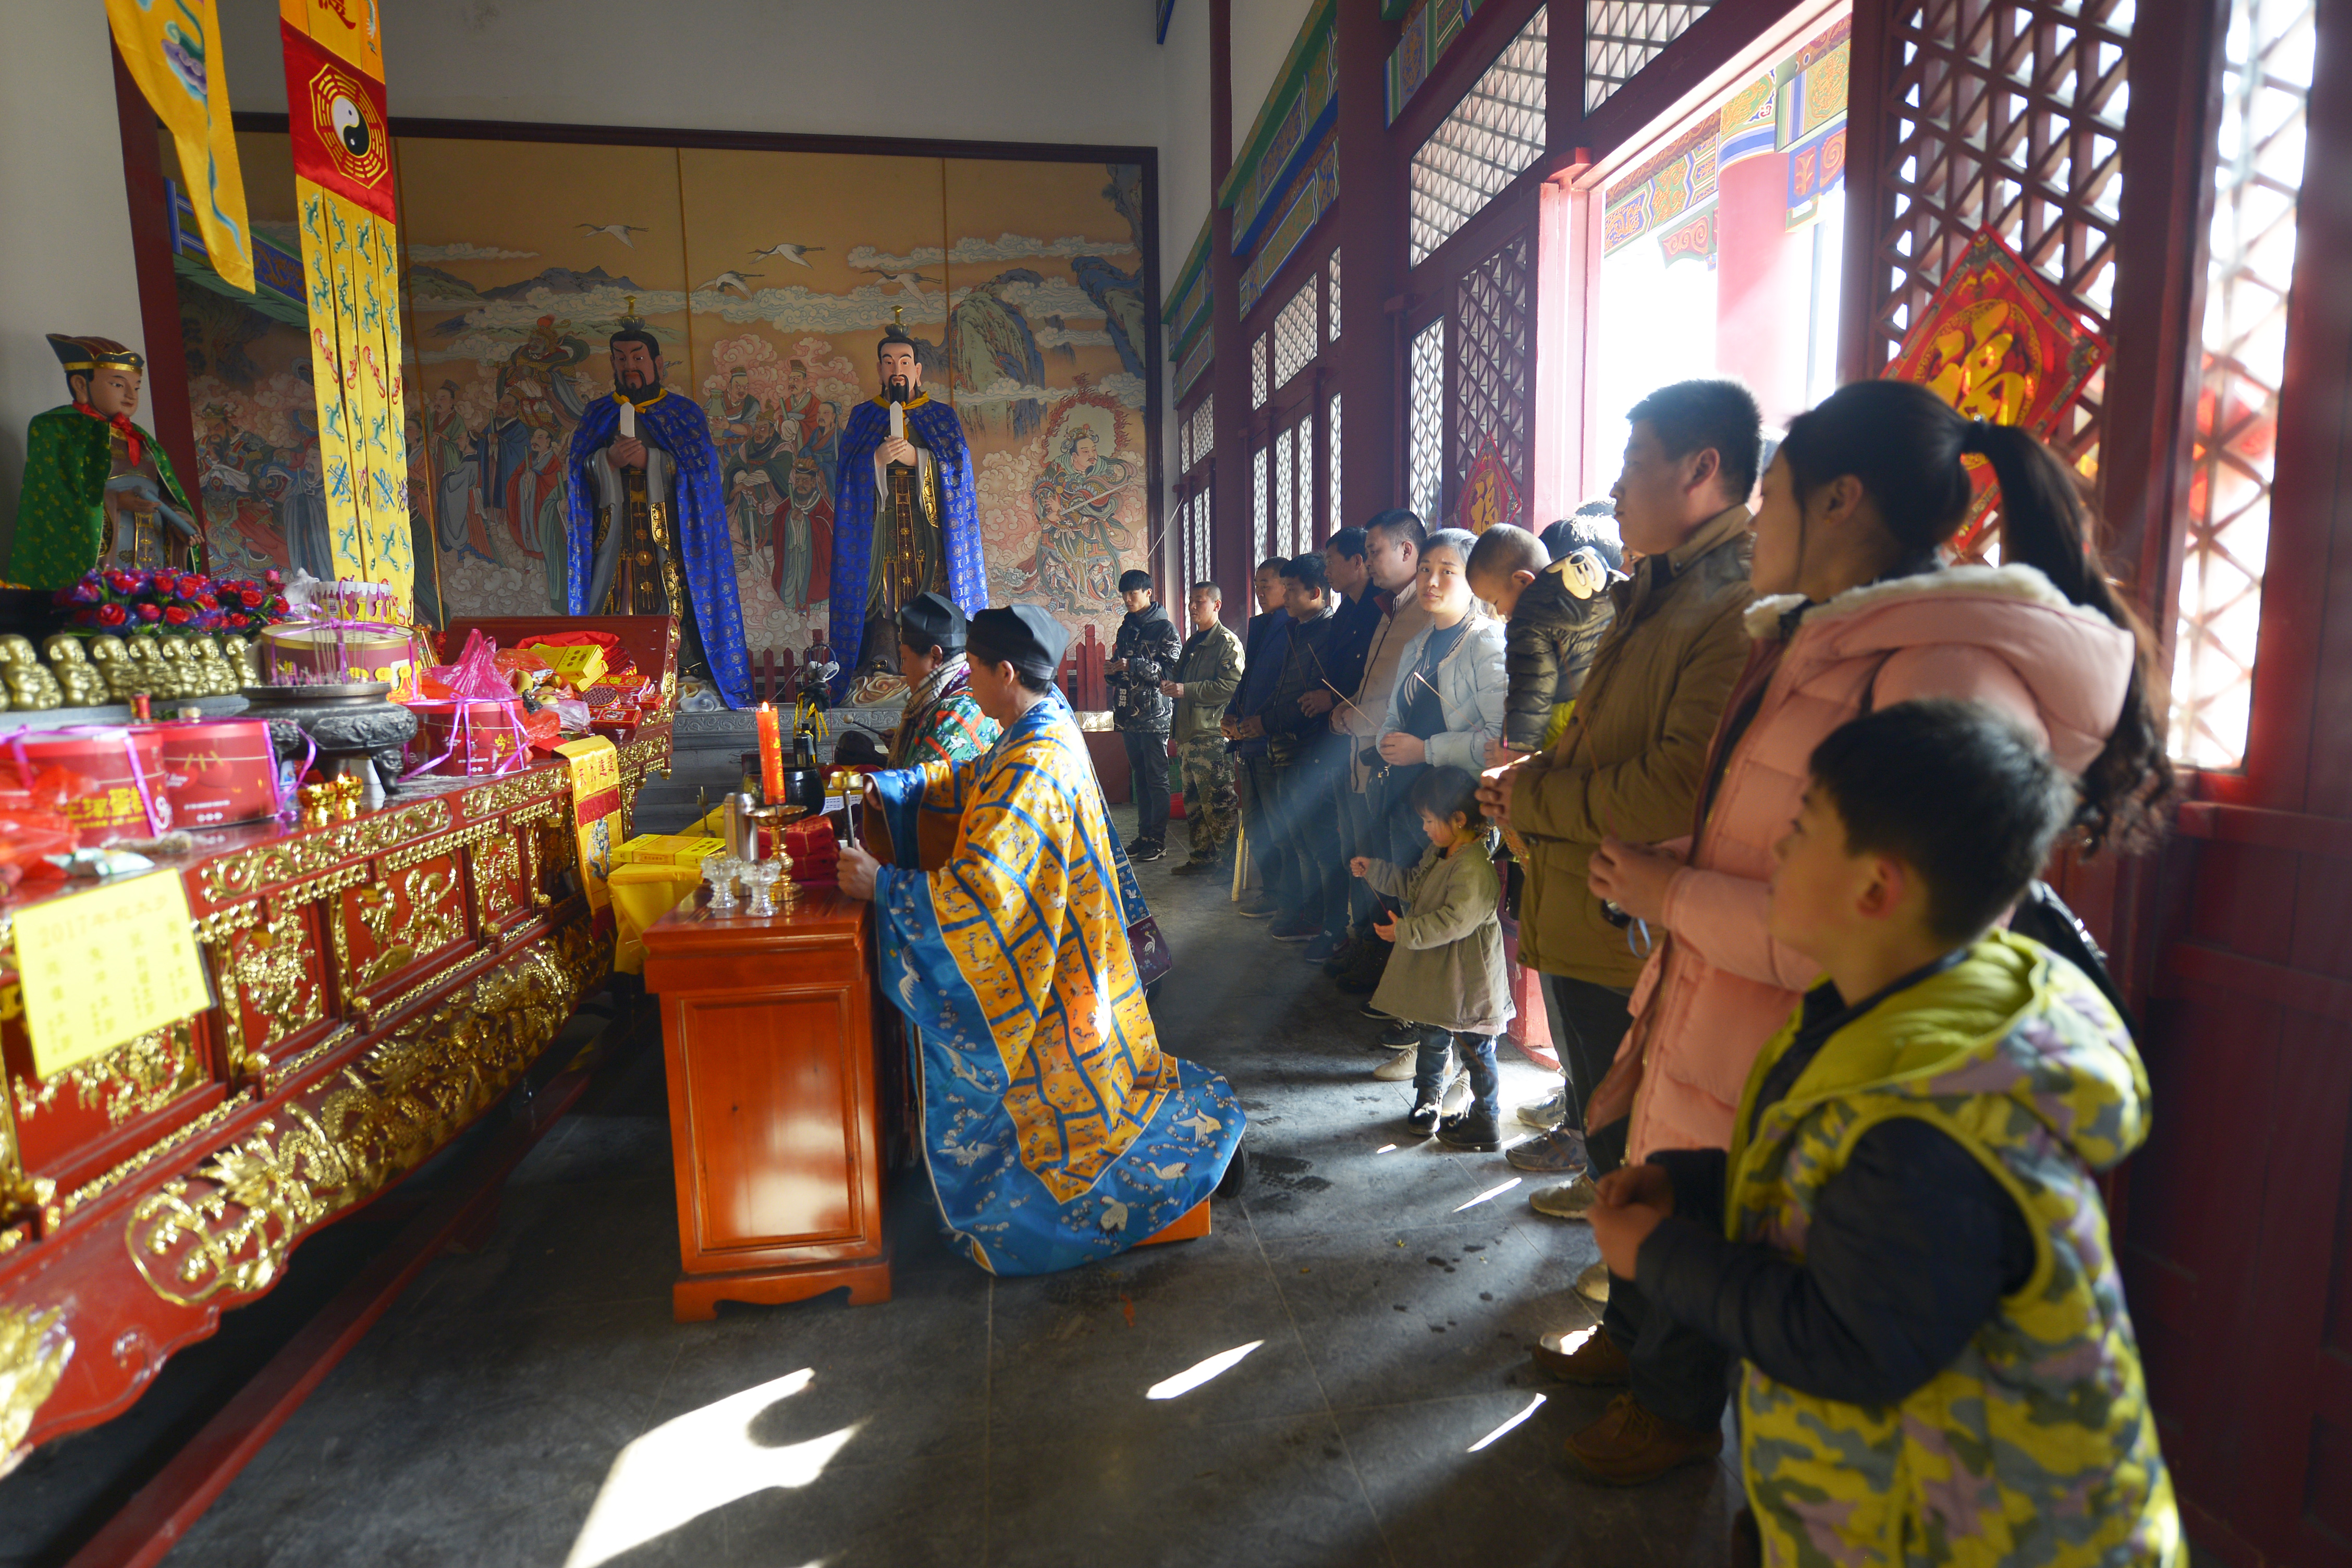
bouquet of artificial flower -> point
(163, 602)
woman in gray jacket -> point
(1451, 684)
(1446, 976)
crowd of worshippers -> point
(1758, 782)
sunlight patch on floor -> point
(1192, 1377)
(702, 1461)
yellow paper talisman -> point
(596, 810)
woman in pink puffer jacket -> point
(1858, 613)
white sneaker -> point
(1545, 1113)
(1399, 1068)
(1594, 1284)
(1567, 1200)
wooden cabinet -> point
(767, 1028)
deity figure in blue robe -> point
(905, 522)
(647, 524)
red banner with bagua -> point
(2000, 344)
(336, 115)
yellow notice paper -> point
(102, 968)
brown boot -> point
(1597, 1363)
(1632, 1445)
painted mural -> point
(767, 278)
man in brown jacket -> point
(1629, 766)
(1631, 761)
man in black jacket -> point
(1144, 657)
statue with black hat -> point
(98, 489)
(1012, 936)
(646, 522)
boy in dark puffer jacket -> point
(1555, 611)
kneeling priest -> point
(1055, 1130)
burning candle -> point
(772, 755)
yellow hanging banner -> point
(343, 196)
(172, 48)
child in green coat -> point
(1447, 975)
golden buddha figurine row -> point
(90, 672)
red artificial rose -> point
(189, 587)
(236, 623)
(206, 602)
(121, 581)
(149, 613)
(278, 606)
(178, 616)
(111, 615)
(272, 578)
(250, 597)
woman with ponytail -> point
(1855, 611)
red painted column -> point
(1229, 377)
(1763, 283)
(1371, 218)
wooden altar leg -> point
(695, 1298)
(1189, 1225)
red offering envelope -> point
(219, 770)
(815, 852)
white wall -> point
(1263, 31)
(1003, 70)
(64, 255)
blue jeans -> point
(1262, 825)
(1477, 1060)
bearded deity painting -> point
(768, 279)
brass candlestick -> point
(771, 818)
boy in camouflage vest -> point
(1207, 675)
(1905, 1242)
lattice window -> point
(1331, 440)
(1425, 424)
(1261, 523)
(1257, 373)
(1491, 384)
(1294, 336)
(2008, 112)
(1620, 37)
(1497, 130)
(1331, 299)
(1284, 541)
(1307, 539)
(2266, 73)
(1204, 429)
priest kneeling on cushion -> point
(1055, 1130)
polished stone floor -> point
(532, 1402)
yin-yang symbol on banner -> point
(350, 126)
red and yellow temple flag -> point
(343, 197)
(2000, 344)
(173, 50)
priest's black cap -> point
(1022, 635)
(932, 620)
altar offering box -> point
(580, 667)
(465, 738)
(683, 849)
(103, 754)
(219, 772)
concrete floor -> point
(534, 1403)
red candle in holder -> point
(772, 755)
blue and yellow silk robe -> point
(1055, 1130)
